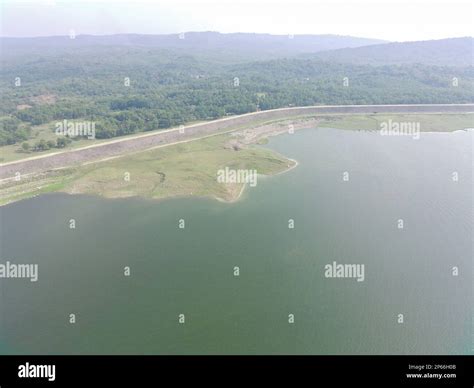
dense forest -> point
(127, 89)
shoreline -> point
(244, 186)
(63, 179)
(236, 143)
(143, 141)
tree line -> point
(146, 90)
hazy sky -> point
(397, 20)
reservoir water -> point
(346, 199)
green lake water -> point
(190, 271)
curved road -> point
(117, 147)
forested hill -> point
(444, 52)
(257, 46)
(126, 89)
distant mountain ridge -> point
(264, 45)
(442, 52)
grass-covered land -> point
(428, 122)
(190, 169)
(187, 169)
(12, 152)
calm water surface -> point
(191, 271)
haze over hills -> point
(260, 45)
(443, 52)
(238, 47)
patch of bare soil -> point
(44, 99)
(23, 107)
(254, 135)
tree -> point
(41, 145)
(25, 146)
(61, 142)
